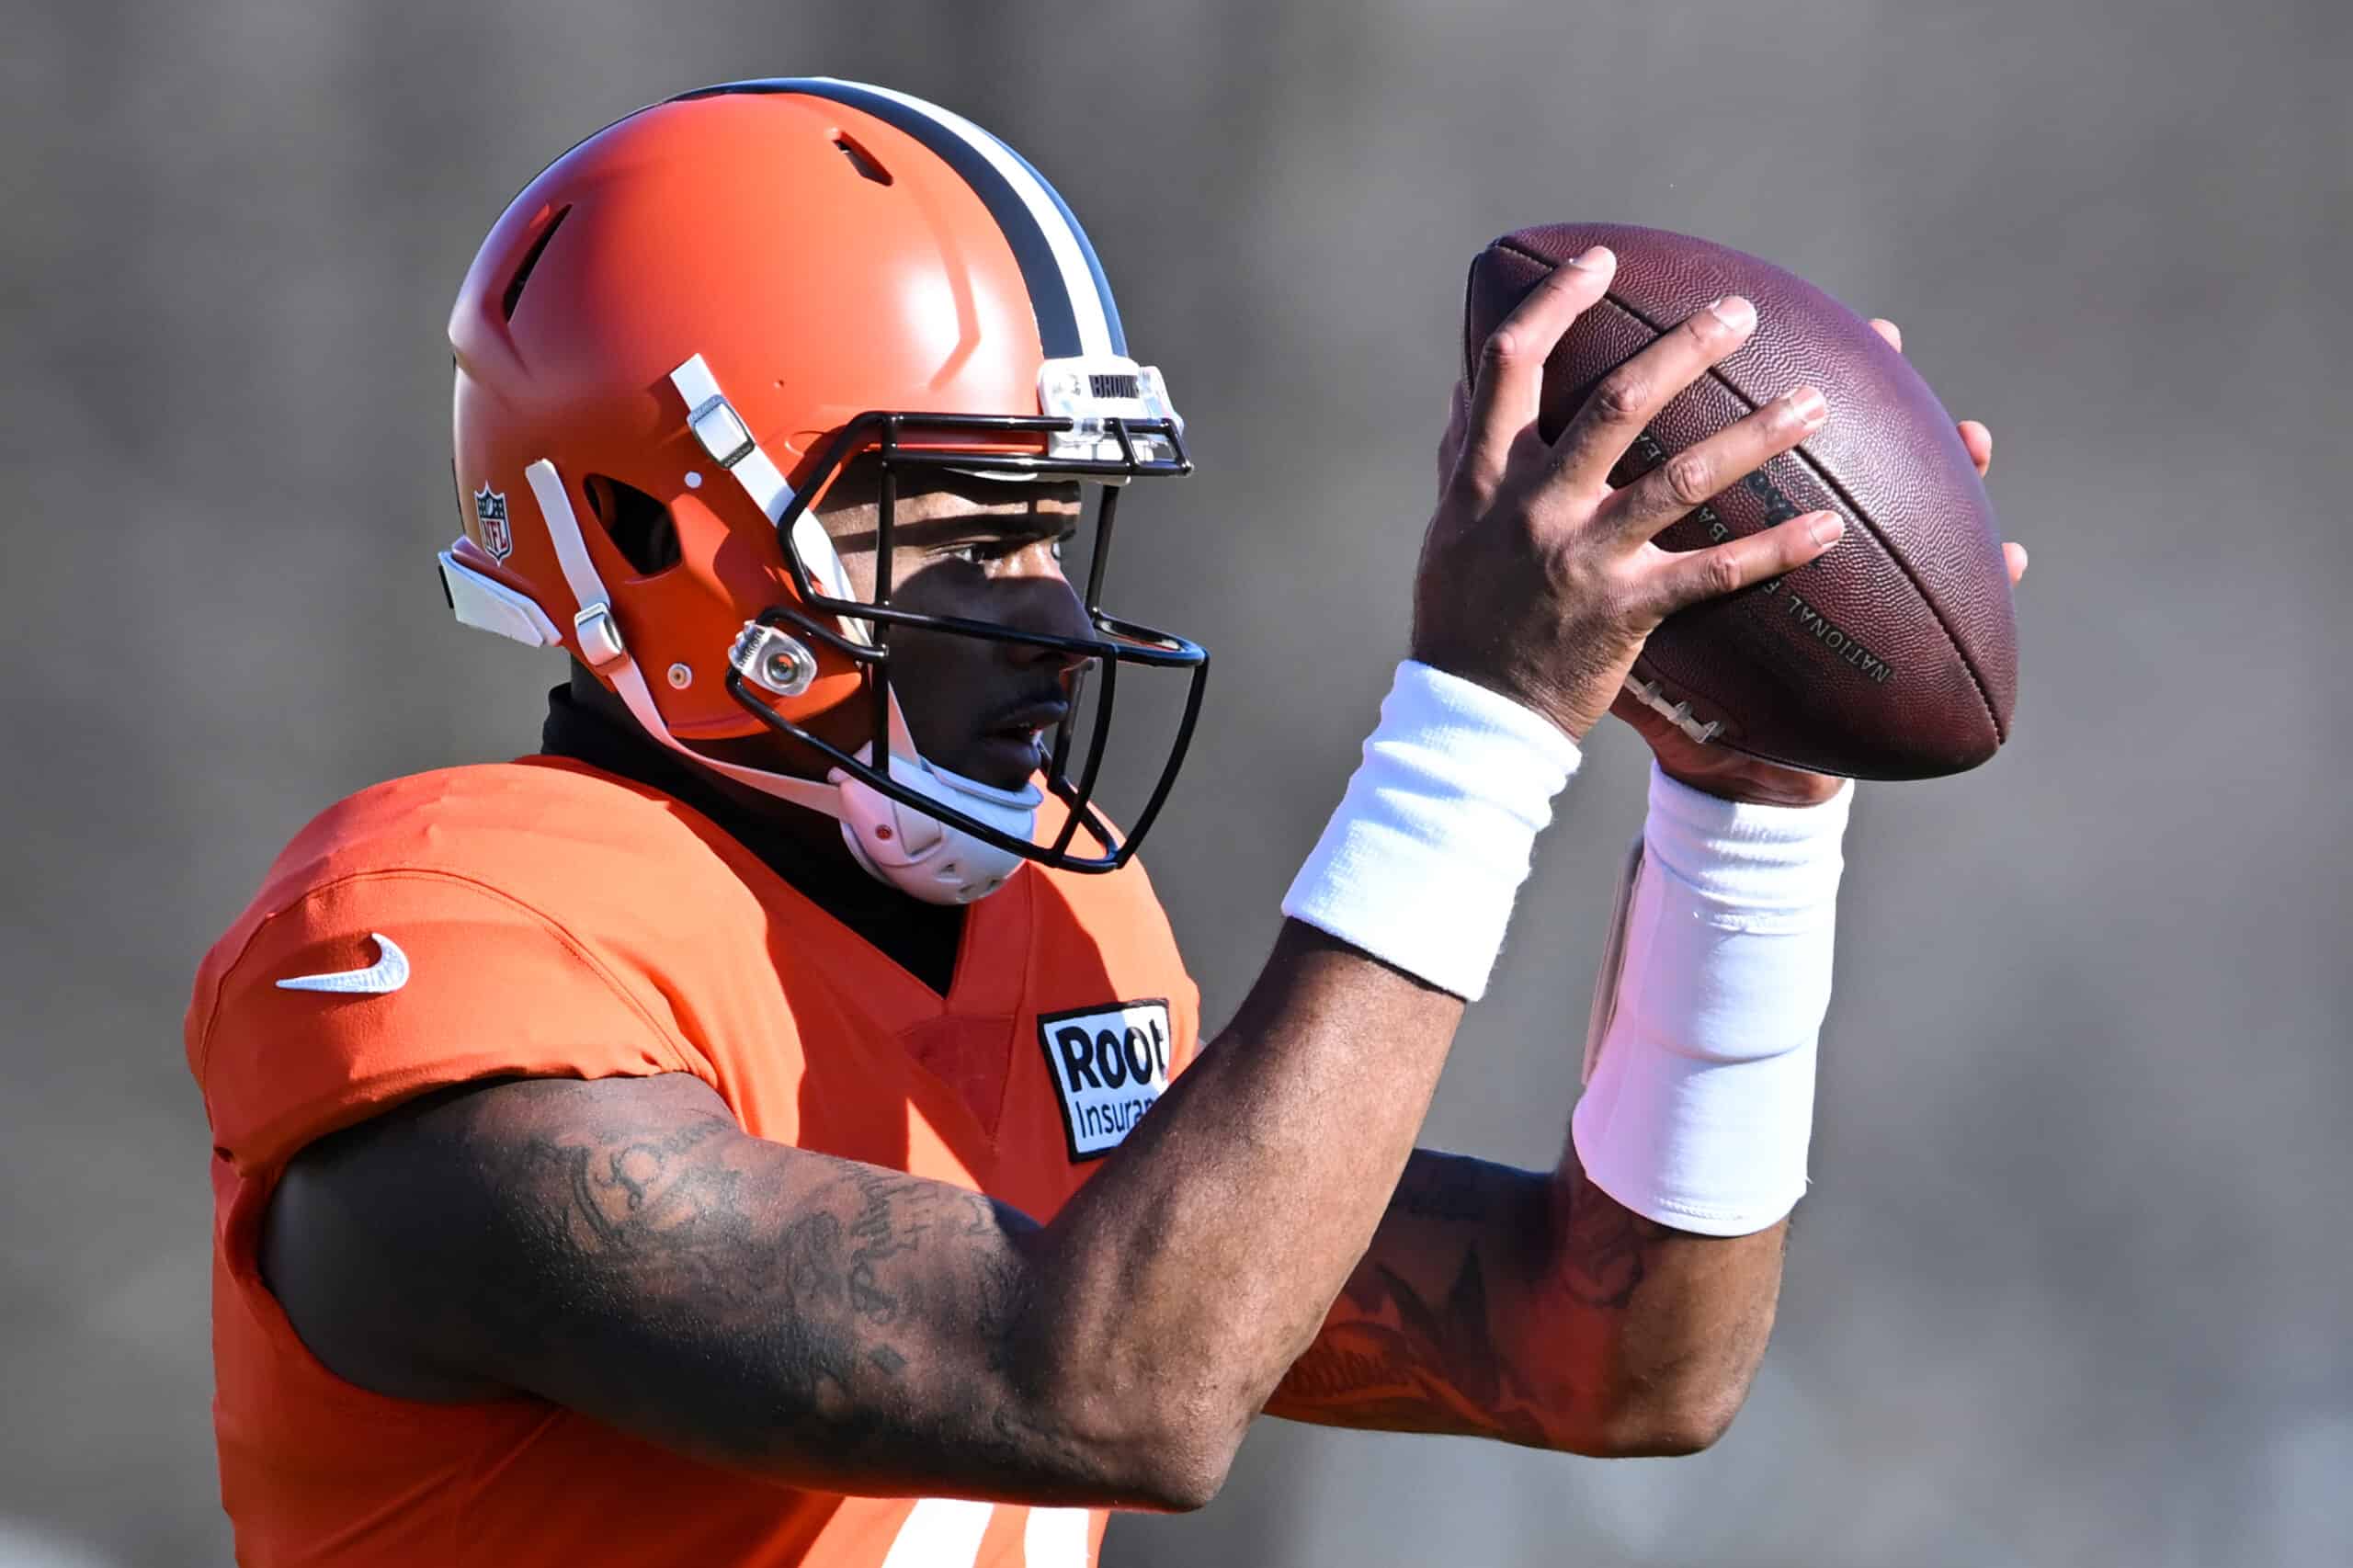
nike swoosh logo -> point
(388, 973)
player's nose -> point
(1047, 606)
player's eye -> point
(985, 551)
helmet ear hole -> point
(640, 526)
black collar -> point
(921, 938)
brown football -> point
(1894, 655)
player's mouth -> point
(1012, 746)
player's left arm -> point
(1535, 1308)
(1499, 1302)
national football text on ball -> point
(1778, 509)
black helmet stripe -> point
(1068, 292)
(1085, 248)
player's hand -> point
(1728, 773)
(1539, 580)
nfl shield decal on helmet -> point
(490, 511)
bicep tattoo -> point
(747, 1302)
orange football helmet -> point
(674, 341)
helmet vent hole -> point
(862, 160)
(640, 526)
(514, 295)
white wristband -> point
(1699, 1100)
(1421, 862)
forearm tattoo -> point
(1394, 1358)
(1604, 1244)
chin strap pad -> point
(918, 853)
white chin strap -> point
(915, 852)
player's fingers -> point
(2014, 556)
(1889, 329)
(1690, 477)
(1680, 580)
(1980, 442)
(1630, 396)
(1510, 382)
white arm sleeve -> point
(1699, 1100)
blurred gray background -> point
(2072, 1286)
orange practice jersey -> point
(559, 920)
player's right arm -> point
(621, 1248)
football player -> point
(751, 1130)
